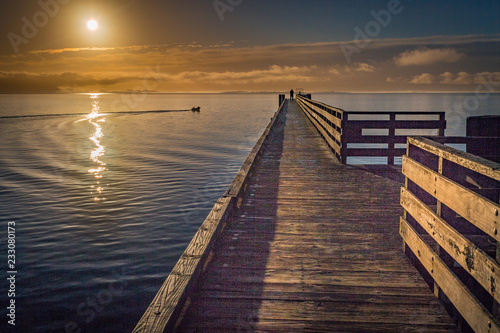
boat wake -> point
(83, 114)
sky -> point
(249, 45)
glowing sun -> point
(92, 25)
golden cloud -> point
(427, 56)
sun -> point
(92, 25)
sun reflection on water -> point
(95, 118)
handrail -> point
(327, 120)
(167, 309)
(340, 131)
(448, 195)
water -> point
(105, 202)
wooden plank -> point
(474, 163)
(323, 132)
(477, 263)
(478, 210)
(439, 113)
(493, 141)
(325, 325)
(321, 105)
(333, 119)
(172, 296)
(330, 117)
(466, 303)
(400, 124)
(353, 137)
(326, 127)
(374, 152)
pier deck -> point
(313, 247)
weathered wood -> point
(172, 296)
(323, 130)
(322, 112)
(400, 124)
(408, 113)
(314, 246)
(477, 263)
(356, 137)
(478, 210)
(322, 125)
(333, 110)
(476, 315)
(382, 152)
(474, 163)
(334, 125)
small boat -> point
(197, 109)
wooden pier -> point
(300, 242)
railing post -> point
(495, 308)
(343, 138)
(442, 128)
(405, 213)
(281, 99)
(437, 289)
(391, 139)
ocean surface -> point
(105, 194)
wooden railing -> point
(170, 304)
(450, 228)
(327, 120)
(342, 129)
(484, 146)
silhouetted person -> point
(291, 94)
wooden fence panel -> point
(457, 202)
(466, 303)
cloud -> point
(460, 78)
(353, 68)
(14, 82)
(238, 66)
(464, 78)
(425, 56)
(363, 67)
(396, 79)
(334, 71)
(424, 78)
(274, 73)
